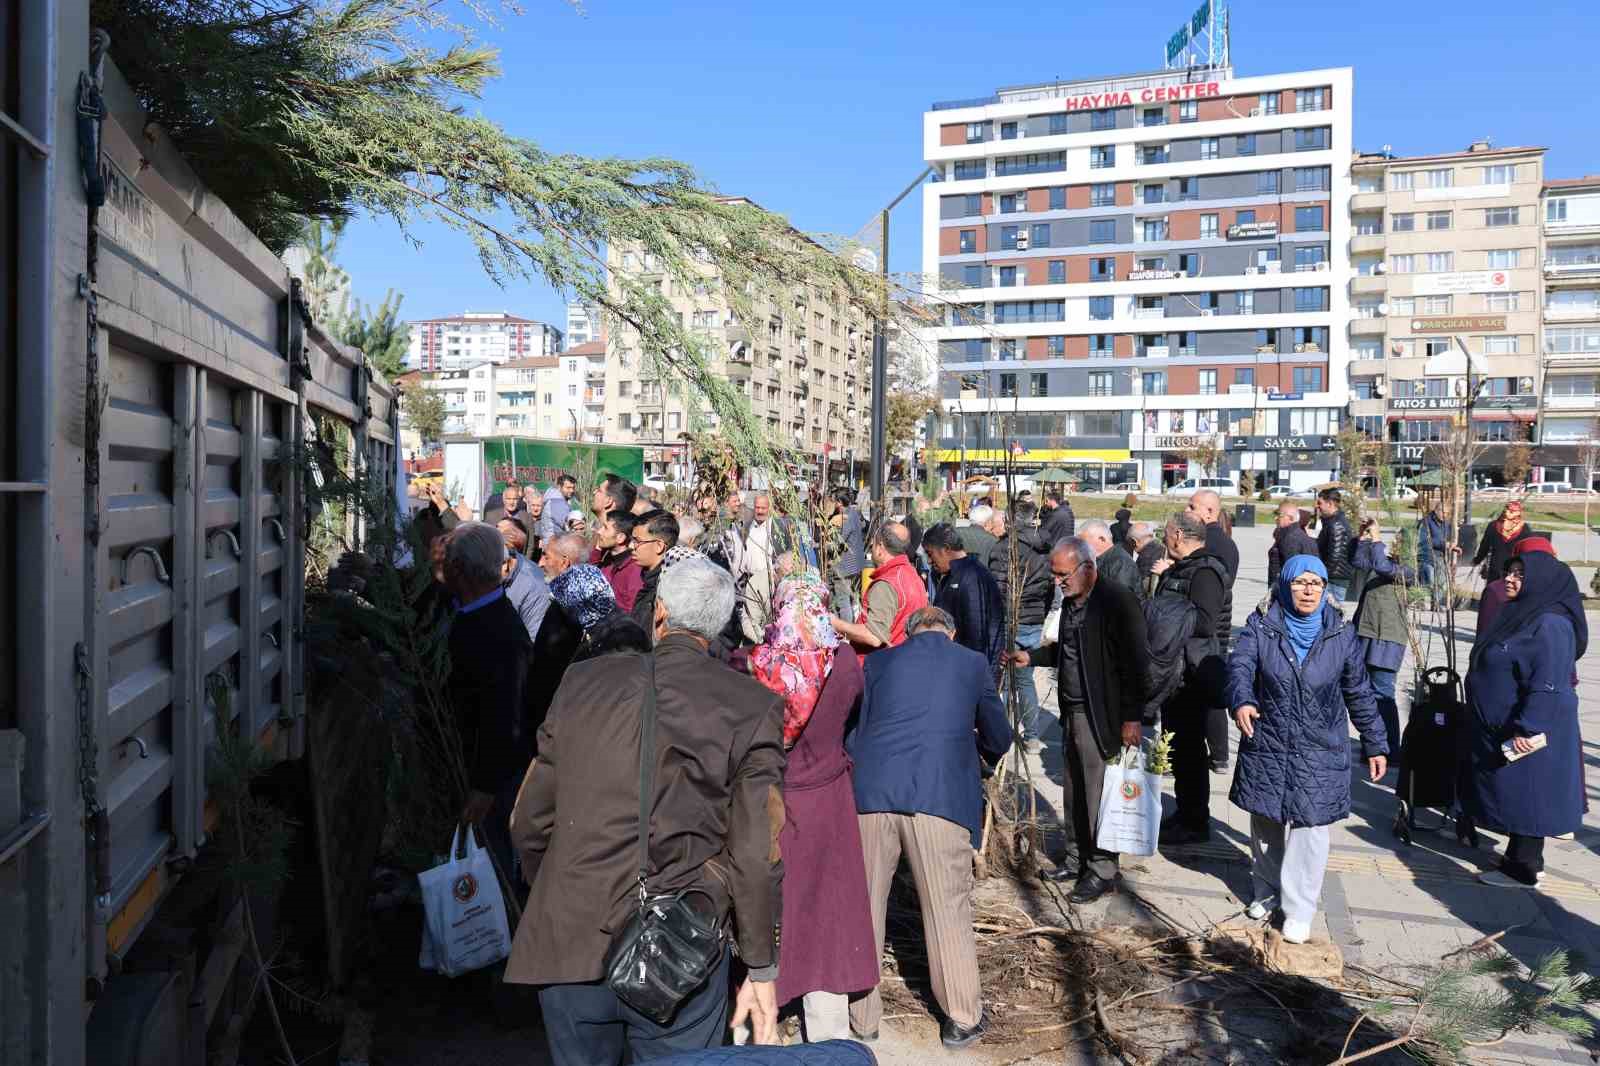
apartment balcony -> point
(1155, 351)
(1366, 243)
(1367, 201)
(1375, 326)
(1571, 360)
(1586, 266)
(1585, 402)
(1369, 285)
(1571, 314)
(1149, 312)
(594, 397)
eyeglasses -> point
(1059, 576)
(1308, 584)
(639, 543)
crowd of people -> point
(827, 693)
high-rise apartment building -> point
(478, 336)
(1139, 269)
(1571, 417)
(806, 368)
(584, 324)
(1445, 247)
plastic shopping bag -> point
(464, 914)
(1130, 806)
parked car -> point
(1402, 492)
(1190, 486)
(1550, 488)
(1122, 488)
(1281, 492)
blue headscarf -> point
(1303, 628)
(584, 593)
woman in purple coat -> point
(828, 948)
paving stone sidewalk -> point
(1387, 906)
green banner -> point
(539, 462)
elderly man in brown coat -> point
(714, 825)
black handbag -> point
(668, 949)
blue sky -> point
(815, 110)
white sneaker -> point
(1296, 932)
(1260, 908)
(1501, 879)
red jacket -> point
(908, 586)
(624, 575)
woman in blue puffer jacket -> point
(1295, 669)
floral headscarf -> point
(797, 655)
(584, 593)
(1511, 521)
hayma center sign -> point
(1155, 94)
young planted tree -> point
(1207, 457)
(424, 411)
(1589, 458)
(1519, 460)
(377, 331)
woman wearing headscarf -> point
(1381, 625)
(1124, 523)
(1494, 593)
(829, 951)
(1520, 688)
(1498, 540)
(1296, 668)
(586, 598)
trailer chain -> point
(95, 819)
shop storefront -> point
(1299, 461)
(1091, 468)
(1164, 459)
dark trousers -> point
(1524, 858)
(1189, 722)
(1085, 775)
(1217, 735)
(497, 836)
(587, 1025)
(1383, 683)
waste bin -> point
(1244, 514)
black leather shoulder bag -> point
(668, 949)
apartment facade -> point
(1137, 267)
(473, 337)
(1446, 248)
(1571, 393)
(539, 396)
(584, 324)
(806, 368)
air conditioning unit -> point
(1249, 270)
(1022, 242)
(1255, 112)
(1379, 268)
(1207, 312)
(1397, 349)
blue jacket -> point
(972, 596)
(1520, 686)
(914, 745)
(1297, 766)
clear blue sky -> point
(815, 110)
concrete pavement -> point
(1386, 906)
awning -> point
(1502, 416)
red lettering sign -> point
(1157, 94)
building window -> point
(1058, 272)
(1307, 219)
(1055, 347)
(1307, 379)
(972, 205)
(1504, 258)
(1311, 140)
(1501, 216)
(1310, 257)
(1038, 384)
(1402, 180)
(1245, 144)
(1103, 231)
(1103, 119)
(969, 241)
(1008, 131)
(1155, 194)
(1101, 346)
(1189, 111)
(967, 169)
(1099, 383)
(1189, 264)
(1208, 382)
(1155, 229)
(1040, 235)
(1369, 183)
(1501, 345)
(1012, 202)
(1438, 220)
(1441, 262)
(1008, 385)
(1269, 104)
(971, 275)
(1104, 195)
(1006, 350)
(1103, 269)
(1441, 178)
(1310, 300)
(1153, 154)
(1100, 308)
(1008, 237)
(1437, 305)
(1267, 183)
(1402, 264)
(1503, 301)
(1033, 163)
(1555, 210)
(1245, 376)
(1102, 156)
(1502, 174)
(1155, 116)
(1058, 198)
(1058, 124)
(1008, 276)
(975, 132)
(1154, 382)
(1311, 99)
(1208, 227)
(1210, 147)
(1266, 340)
(1245, 301)
(1188, 188)
(480, 397)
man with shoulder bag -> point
(624, 834)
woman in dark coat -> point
(1124, 522)
(1520, 686)
(1296, 667)
(829, 951)
(1502, 535)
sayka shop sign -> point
(1156, 94)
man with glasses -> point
(1099, 657)
(654, 534)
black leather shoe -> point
(1061, 874)
(1090, 887)
(954, 1036)
(1175, 834)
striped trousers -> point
(939, 853)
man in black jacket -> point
(1111, 562)
(1288, 540)
(1099, 658)
(654, 534)
(1335, 543)
(967, 592)
(1190, 570)
(1037, 594)
(1207, 506)
(490, 651)
(1058, 522)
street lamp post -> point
(880, 351)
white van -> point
(1550, 488)
(1221, 485)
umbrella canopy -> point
(1053, 475)
(1430, 479)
